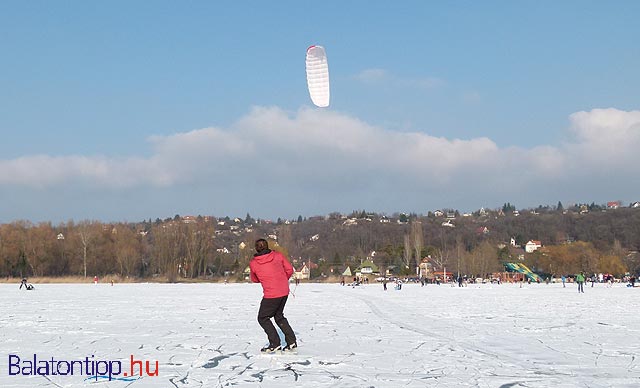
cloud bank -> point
(326, 160)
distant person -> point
(272, 270)
(632, 280)
(384, 284)
(564, 280)
(398, 286)
(27, 286)
(580, 281)
(95, 279)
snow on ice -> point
(206, 335)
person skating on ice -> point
(272, 270)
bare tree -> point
(127, 249)
(87, 231)
(484, 259)
(168, 249)
(417, 240)
(198, 240)
(406, 254)
(440, 259)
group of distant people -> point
(581, 279)
(29, 286)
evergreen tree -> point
(508, 208)
(336, 260)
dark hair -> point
(262, 242)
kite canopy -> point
(318, 76)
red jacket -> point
(273, 271)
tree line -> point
(574, 240)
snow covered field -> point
(206, 335)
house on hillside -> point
(532, 246)
(304, 272)
(350, 222)
(189, 219)
(613, 205)
(482, 230)
(367, 267)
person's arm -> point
(254, 277)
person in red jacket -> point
(272, 270)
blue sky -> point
(123, 111)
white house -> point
(532, 246)
(350, 222)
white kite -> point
(318, 76)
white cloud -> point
(606, 138)
(323, 156)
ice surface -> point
(206, 335)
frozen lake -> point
(206, 335)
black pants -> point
(273, 308)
